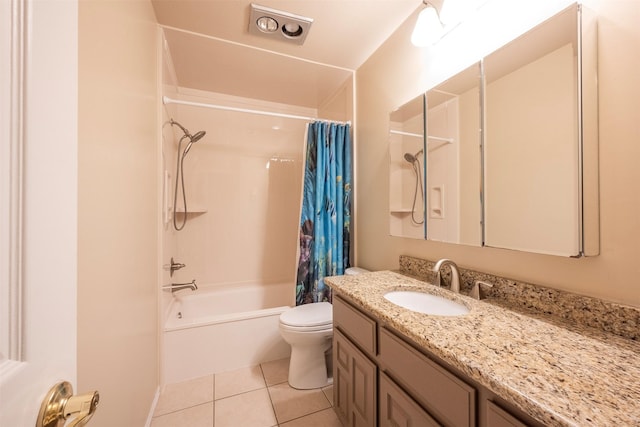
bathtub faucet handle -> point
(175, 266)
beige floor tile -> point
(290, 403)
(197, 416)
(251, 409)
(328, 391)
(185, 395)
(276, 372)
(238, 381)
(325, 418)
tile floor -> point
(251, 397)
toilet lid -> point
(317, 314)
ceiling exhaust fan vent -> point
(278, 25)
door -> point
(354, 384)
(38, 198)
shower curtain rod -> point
(418, 135)
(167, 100)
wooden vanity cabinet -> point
(447, 398)
(498, 417)
(380, 378)
(354, 384)
(355, 374)
(398, 409)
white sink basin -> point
(426, 303)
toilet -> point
(308, 329)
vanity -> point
(489, 367)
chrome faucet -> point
(179, 286)
(455, 274)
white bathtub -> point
(220, 328)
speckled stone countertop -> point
(559, 376)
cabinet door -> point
(355, 386)
(398, 409)
(498, 417)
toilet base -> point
(308, 368)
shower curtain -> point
(326, 210)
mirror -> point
(539, 160)
(454, 146)
(406, 170)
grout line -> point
(183, 409)
(306, 415)
(239, 394)
(273, 407)
(213, 421)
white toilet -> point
(308, 329)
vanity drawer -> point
(448, 399)
(357, 326)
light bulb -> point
(428, 29)
(266, 24)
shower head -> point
(197, 136)
(412, 158)
(192, 138)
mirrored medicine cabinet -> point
(407, 170)
(508, 154)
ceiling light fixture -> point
(429, 28)
(267, 24)
(278, 25)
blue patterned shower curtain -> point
(326, 210)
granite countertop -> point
(559, 376)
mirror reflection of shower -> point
(180, 172)
(415, 163)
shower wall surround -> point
(243, 183)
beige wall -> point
(397, 72)
(118, 209)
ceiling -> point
(214, 51)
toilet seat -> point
(308, 317)
(305, 329)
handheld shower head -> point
(180, 172)
(412, 158)
(192, 138)
(197, 136)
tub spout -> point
(179, 286)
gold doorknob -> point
(59, 404)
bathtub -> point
(220, 328)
